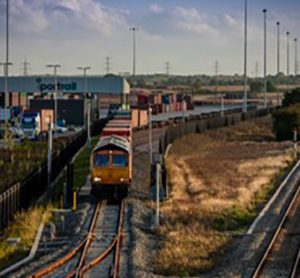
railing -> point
(26, 192)
(204, 122)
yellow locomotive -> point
(111, 160)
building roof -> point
(67, 84)
(114, 140)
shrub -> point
(291, 98)
(284, 122)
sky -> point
(190, 34)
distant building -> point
(111, 85)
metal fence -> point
(26, 192)
(204, 122)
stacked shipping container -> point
(165, 102)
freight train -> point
(111, 159)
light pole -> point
(278, 47)
(150, 134)
(133, 30)
(245, 61)
(86, 109)
(265, 57)
(287, 53)
(278, 60)
(5, 70)
(55, 67)
(296, 56)
(222, 105)
(49, 156)
(182, 107)
(6, 64)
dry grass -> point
(217, 180)
(24, 227)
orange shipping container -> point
(15, 99)
(134, 117)
(46, 114)
(143, 117)
(157, 99)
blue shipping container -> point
(5, 114)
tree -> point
(256, 86)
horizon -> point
(189, 34)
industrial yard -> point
(149, 139)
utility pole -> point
(278, 47)
(278, 61)
(107, 64)
(150, 134)
(256, 69)
(6, 64)
(87, 111)
(25, 65)
(55, 67)
(133, 30)
(287, 53)
(216, 74)
(296, 57)
(158, 171)
(168, 67)
(49, 157)
(265, 57)
(245, 60)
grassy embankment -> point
(26, 223)
(19, 160)
(82, 165)
(25, 227)
(218, 181)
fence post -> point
(5, 209)
(70, 182)
(1, 212)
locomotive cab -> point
(111, 164)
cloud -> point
(191, 20)
(88, 15)
(155, 9)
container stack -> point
(164, 102)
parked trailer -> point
(35, 122)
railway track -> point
(98, 254)
(281, 258)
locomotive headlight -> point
(96, 179)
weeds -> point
(218, 181)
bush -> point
(284, 122)
(291, 98)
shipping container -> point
(166, 99)
(142, 99)
(71, 110)
(23, 101)
(134, 117)
(5, 114)
(157, 99)
(119, 131)
(46, 115)
(15, 99)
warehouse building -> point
(110, 89)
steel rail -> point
(52, 267)
(119, 242)
(89, 240)
(295, 271)
(114, 245)
(262, 262)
